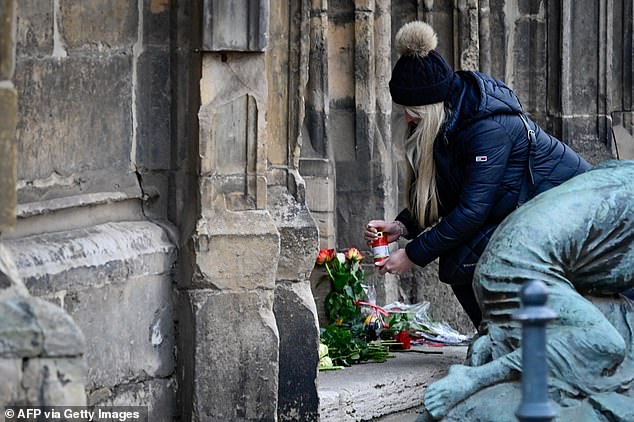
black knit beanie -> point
(421, 76)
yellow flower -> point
(353, 254)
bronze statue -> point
(578, 238)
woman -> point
(474, 158)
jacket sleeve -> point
(486, 152)
(411, 224)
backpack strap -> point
(528, 181)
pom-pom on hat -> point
(421, 76)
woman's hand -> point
(391, 230)
(397, 263)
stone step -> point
(392, 390)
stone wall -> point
(178, 165)
(41, 347)
(93, 168)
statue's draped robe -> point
(578, 238)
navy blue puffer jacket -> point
(481, 159)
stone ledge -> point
(368, 391)
(91, 257)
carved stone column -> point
(297, 122)
(229, 337)
(8, 115)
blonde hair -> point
(419, 148)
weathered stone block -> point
(84, 101)
(7, 39)
(296, 319)
(31, 327)
(230, 147)
(241, 25)
(156, 21)
(342, 134)
(233, 128)
(83, 188)
(315, 167)
(299, 248)
(34, 34)
(11, 391)
(238, 262)
(581, 47)
(236, 250)
(142, 346)
(92, 25)
(235, 76)
(111, 272)
(54, 382)
(326, 224)
(530, 58)
(320, 287)
(298, 235)
(153, 110)
(235, 350)
(582, 133)
(8, 111)
(109, 253)
(158, 396)
(320, 194)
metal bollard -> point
(534, 315)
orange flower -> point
(325, 255)
(354, 255)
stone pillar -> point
(467, 36)
(228, 335)
(309, 117)
(233, 344)
(298, 45)
(580, 30)
(8, 115)
(295, 310)
(620, 39)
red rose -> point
(403, 338)
(325, 255)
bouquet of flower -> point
(346, 336)
(346, 276)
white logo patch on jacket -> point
(481, 158)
